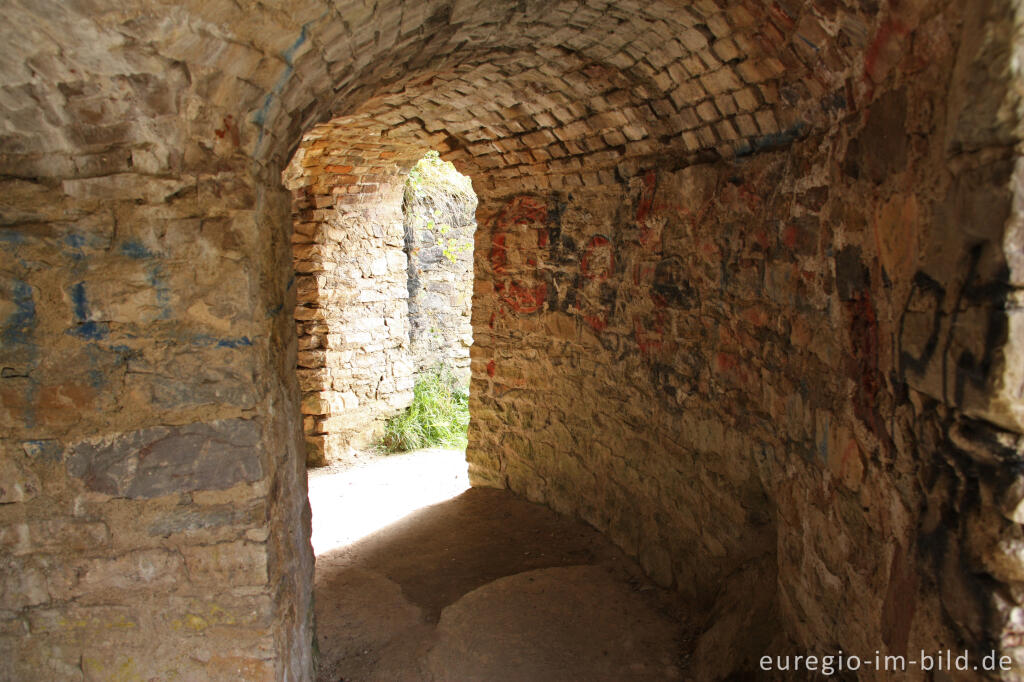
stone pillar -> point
(154, 520)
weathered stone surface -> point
(745, 297)
(240, 563)
(192, 519)
(163, 460)
(144, 570)
(17, 482)
(439, 242)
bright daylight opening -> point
(387, 409)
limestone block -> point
(139, 570)
(238, 563)
(163, 460)
(18, 483)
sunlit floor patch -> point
(351, 504)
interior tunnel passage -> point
(744, 301)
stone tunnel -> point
(745, 286)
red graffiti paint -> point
(523, 298)
(490, 368)
(864, 346)
(522, 290)
(499, 253)
(643, 208)
(598, 261)
(726, 362)
(781, 15)
(597, 322)
(709, 250)
(761, 237)
(789, 236)
(886, 39)
(649, 337)
(230, 130)
(523, 210)
(862, 364)
(749, 195)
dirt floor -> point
(481, 586)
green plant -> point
(436, 197)
(437, 417)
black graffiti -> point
(968, 368)
(987, 294)
(923, 286)
(670, 285)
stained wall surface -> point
(745, 300)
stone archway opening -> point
(747, 302)
(439, 214)
(383, 253)
(384, 287)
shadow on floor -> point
(487, 586)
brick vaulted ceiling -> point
(794, 375)
(96, 87)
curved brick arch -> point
(490, 82)
(795, 366)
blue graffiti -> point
(17, 328)
(205, 341)
(260, 117)
(93, 331)
(86, 328)
(155, 278)
(234, 343)
(136, 249)
(773, 141)
(809, 43)
(79, 300)
(823, 440)
(75, 242)
(12, 237)
(46, 450)
(154, 274)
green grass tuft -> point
(437, 417)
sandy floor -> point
(351, 501)
(479, 586)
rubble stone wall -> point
(745, 298)
(440, 250)
(770, 367)
(378, 299)
(152, 520)
(352, 313)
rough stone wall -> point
(148, 501)
(785, 367)
(377, 299)
(148, 394)
(440, 284)
(352, 315)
